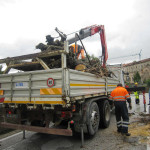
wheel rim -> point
(94, 119)
(107, 113)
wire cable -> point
(66, 34)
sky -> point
(25, 23)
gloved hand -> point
(130, 106)
(129, 100)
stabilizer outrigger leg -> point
(82, 136)
(24, 134)
(82, 122)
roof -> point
(136, 62)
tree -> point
(137, 77)
(148, 83)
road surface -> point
(105, 139)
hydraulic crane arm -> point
(89, 31)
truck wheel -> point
(104, 114)
(93, 118)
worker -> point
(136, 93)
(77, 49)
(119, 95)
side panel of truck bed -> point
(87, 84)
(111, 84)
(37, 87)
(32, 87)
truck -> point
(57, 101)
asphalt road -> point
(105, 139)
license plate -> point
(21, 85)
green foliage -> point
(128, 83)
(144, 81)
(1, 72)
(91, 57)
(148, 83)
(137, 77)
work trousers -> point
(137, 100)
(122, 117)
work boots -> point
(119, 129)
(127, 134)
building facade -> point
(142, 67)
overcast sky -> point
(25, 23)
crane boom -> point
(89, 31)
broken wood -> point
(44, 65)
(43, 54)
(51, 58)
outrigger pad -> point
(134, 89)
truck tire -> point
(104, 114)
(93, 118)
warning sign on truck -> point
(50, 82)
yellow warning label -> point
(51, 91)
(1, 92)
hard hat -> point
(136, 83)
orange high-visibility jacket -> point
(119, 94)
(78, 50)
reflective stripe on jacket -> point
(119, 94)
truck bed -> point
(32, 87)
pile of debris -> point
(90, 64)
(51, 44)
(50, 58)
